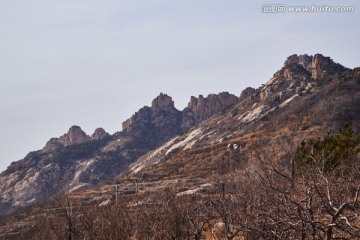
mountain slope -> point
(309, 97)
(76, 161)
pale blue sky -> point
(94, 63)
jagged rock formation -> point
(75, 135)
(202, 108)
(292, 102)
(318, 65)
(153, 115)
(76, 161)
(298, 75)
(163, 101)
(164, 121)
(303, 60)
(156, 124)
(99, 134)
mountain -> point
(78, 161)
(193, 150)
(309, 96)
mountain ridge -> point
(307, 96)
(75, 160)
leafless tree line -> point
(271, 201)
(270, 206)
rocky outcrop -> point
(303, 60)
(249, 91)
(162, 102)
(200, 108)
(318, 65)
(154, 116)
(299, 74)
(75, 135)
(154, 124)
(99, 134)
(163, 120)
(306, 62)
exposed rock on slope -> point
(163, 121)
(310, 94)
(75, 135)
(290, 102)
(76, 161)
(318, 65)
(153, 125)
(64, 164)
(99, 134)
(200, 109)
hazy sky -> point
(94, 63)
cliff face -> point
(154, 116)
(155, 124)
(200, 108)
(165, 121)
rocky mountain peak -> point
(75, 135)
(161, 115)
(162, 118)
(298, 76)
(303, 60)
(201, 108)
(162, 101)
(211, 103)
(319, 64)
(99, 134)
